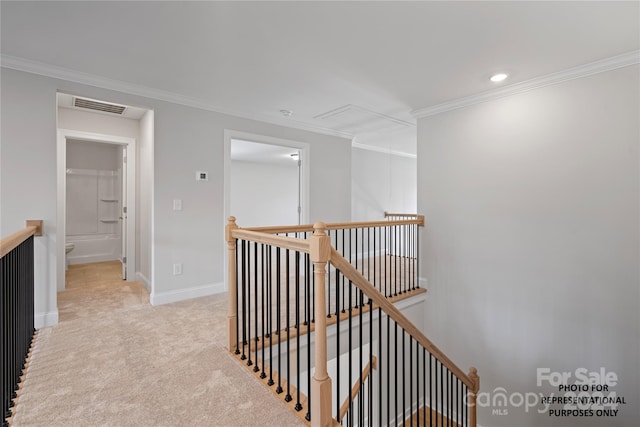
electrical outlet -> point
(177, 204)
(177, 269)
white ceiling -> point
(373, 61)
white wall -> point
(144, 192)
(28, 175)
(185, 140)
(92, 155)
(87, 121)
(381, 182)
(264, 194)
(531, 239)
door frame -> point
(130, 147)
(304, 185)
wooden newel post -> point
(473, 393)
(320, 253)
(231, 284)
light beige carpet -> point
(138, 365)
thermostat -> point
(202, 176)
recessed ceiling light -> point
(496, 78)
(286, 113)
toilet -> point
(68, 247)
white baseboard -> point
(85, 259)
(159, 298)
(144, 280)
(42, 320)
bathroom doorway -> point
(96, 200)
(96, 203)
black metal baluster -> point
(350, 351)
(380, 388)
(376, 283)
(370, 378)
(441, 393)
(356, 260)
(431, 390)
(263, 374)
(395, 260)
(404, 362)
(448, 397)
(237, 285)
(458, 400)
(395, 339)
(244, 298)
(418, 255)
(343, 280)
(466, 407)
(329, 275)
(256, 366)
(405, 257)
(309, 307)
(424, 386)
(278, 325)
(411, 380)
(288, 397)
(368, 252)
(337, 349)
(249, 361)
(298, 406)
(360, 401)
(270, 330)
(386, 257)
(305, 298)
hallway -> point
(98, 288)
(115, 360)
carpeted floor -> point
(114, 360)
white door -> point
(123, 214)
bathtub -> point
(94, 248)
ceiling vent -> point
(104, 107)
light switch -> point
(177, 204)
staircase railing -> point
(280, 310)
(16, 310)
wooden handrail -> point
(355, 389)
(270, 239)
(407, 215)
(9, 243)
(363, 284)
(419, 220)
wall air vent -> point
(104, 107)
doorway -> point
(302, 166)
(265, 184)
(96, 203)
(266, 180)
(102, 202)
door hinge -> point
(124, 209)
(299, 209)
(124, 259)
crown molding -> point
(53, 71)
(608, 64)
(361, 146)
